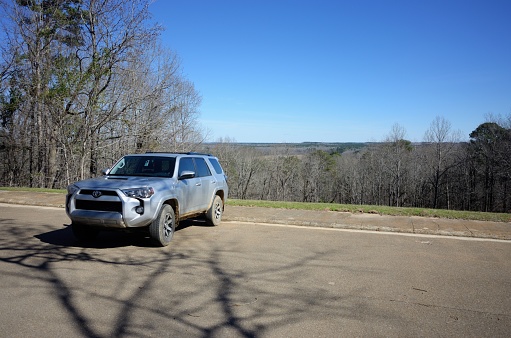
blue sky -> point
(341, 71)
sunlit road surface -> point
(247, 280)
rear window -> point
(216, 165)
(202, 167)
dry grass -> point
(380, 210)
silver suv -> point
(151, 191)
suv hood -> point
(121, 182)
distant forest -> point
(441, 172)
(84, 82)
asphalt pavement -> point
(243, 279)
(329, 219)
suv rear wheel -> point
(162, 228)
(214, 214)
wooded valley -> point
(85, 82)
(441, 172)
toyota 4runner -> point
(151, 191)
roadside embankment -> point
(329, 219)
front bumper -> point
(112, 209)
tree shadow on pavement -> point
(195, 287)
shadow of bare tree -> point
(199, 286)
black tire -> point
(162, 228)
(214, 214)
(84, 233)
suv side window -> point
(186, 164)
(202, 167)
(216, 165)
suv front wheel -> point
(162, 228)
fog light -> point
(139, 210)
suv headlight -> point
(144, 192)
(71, 189)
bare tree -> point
(441, 154)
(84, 81)
(395, 151)
(115, 32)
(285, 171)
(316, 177)
(34, 30)
(183, 131)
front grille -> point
(99, 205)
(103, 192)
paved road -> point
(248, 280)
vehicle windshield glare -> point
(154, 166)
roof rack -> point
(194, 153)
(186, 153)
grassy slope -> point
(382, 210)
(373, 209)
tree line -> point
(440, 172)
(84, 82)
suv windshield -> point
(157, 166)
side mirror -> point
(187, 174)
(105, 171)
